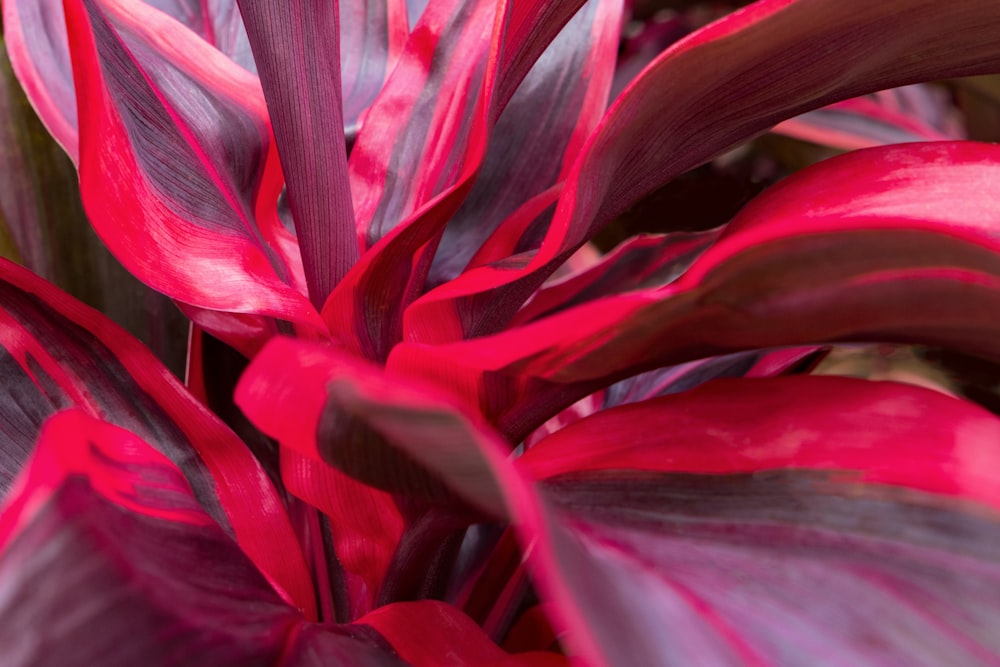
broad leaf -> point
(858, 248)
(772, 60)
(183, 135)
(104, 546)
(57, 353)
(36, 33)
(724, 557)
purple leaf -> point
(183, 137)
(771, 60)
(36, 35)
(104, 545)
(57, 353)
(302, 86)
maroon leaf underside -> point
(453, 81)
(302, 85)
(773, 60)
(57, 353)
(108, 558)
(183, 136)
(889, 244)
(36, 34)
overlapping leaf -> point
(409, 178)
(893, 243)
(104, 546)
(770, 61)
(177, 167)
(43, 227)
(303, 90)
(36, 33)
(58, 353)
(724, 557)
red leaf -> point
(539, 134)
(802, 422)
(889, 244)
(773, 60)
(725, 563)
(59, 353)
(105, 547)
(156, 97)
(382, 430)
(410, 181)
(372, 34)
(35, 31)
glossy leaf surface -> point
(102, 526)
(724, 556)
(743, 61)
(184, 136)
(890, 244)
(57, 353)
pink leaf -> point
(207, 233)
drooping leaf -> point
(58, 353)
(183, 135)
(889, 244)
(772, 60)
(106, 553)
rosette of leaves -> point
(492, 449)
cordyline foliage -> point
(491, 450)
